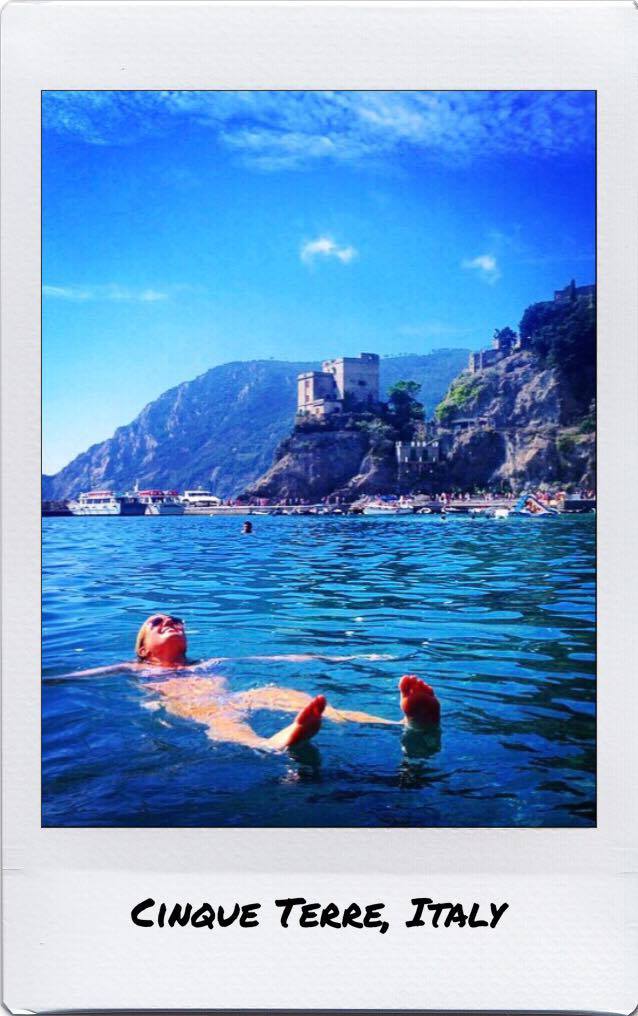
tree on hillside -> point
(405, 409)
(505, 335)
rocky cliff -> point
(528, 419)
(521, 431)
(344, 459)
(310, 464)
(221, 429)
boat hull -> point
(165, 509)
(131, 507)
(126, 508)
(387, 511)
(89, 509)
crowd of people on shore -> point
(546, 495)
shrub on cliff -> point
(380, 436)
(565, 443)
(588, 423)
(463, 390)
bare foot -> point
(305, 725)
(418, 701)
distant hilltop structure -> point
(506, 342)
(349, 382)
(573, 292)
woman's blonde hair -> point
(139, 641)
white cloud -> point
(66, 292)
(325, 247)
(273, 131)
(486, 266)
(111, 292)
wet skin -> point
(208, 701)
(161, 645)
(419, 703)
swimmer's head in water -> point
(161, 640)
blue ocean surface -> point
(498, 615)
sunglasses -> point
(155, 622)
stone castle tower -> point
(351, 379)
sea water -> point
(498, 615)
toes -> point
(419, 701)
(410, 685)
(406, 684)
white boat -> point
(200, 498)
(492, 513)
(381, 508)
(489, 512)
(161, 502)
(105, 502)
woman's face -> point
(164, 639)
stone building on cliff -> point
(347, 382)
(504, 343)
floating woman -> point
(161, 646)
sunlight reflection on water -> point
(499, 617)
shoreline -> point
(576, 506)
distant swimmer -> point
(161, 646)
(247, 527)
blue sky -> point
(186, 229)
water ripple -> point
(500, 619)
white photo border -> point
(569, 942)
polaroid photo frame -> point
(560, 903)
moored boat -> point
(161, 502)
(384, 508)
(498, 513)
(199, 499)
(106, 502)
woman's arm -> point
(304, 657)
(92, 671)
(288, 658)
